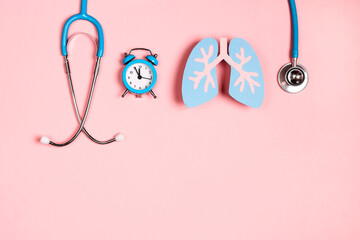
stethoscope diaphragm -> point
(293, 79)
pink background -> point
(289, 170)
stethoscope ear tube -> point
(81, 120)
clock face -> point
(139, 76)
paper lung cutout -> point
(199, 83)
(199, 80)
(246, 81)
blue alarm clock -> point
(139, 76)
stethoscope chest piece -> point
(293, 78)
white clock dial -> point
(139, 76)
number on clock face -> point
(139, 76)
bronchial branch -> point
(244, 76)
(207, 69)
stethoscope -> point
(293, 77)
(64, 42)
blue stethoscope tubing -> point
(295, 29)
(64, 42)
(83, 16)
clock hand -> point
(138, 73)
(147, 78)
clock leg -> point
(126, 91)
(153, 94)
